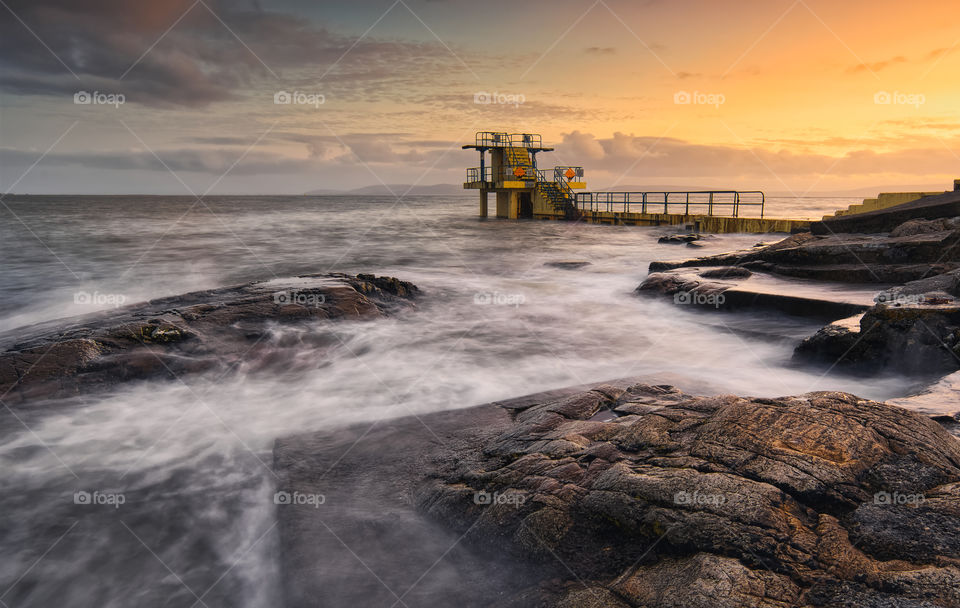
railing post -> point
(710, 206)
(686, 210)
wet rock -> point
(679, 239)
(700, 501)
(183, 334)
(852, 258)
(921, 226)
(706, 581)
(726, 272)
(729, 288)
(913, 328)
(567, 264)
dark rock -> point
(726, 272)
(679, 239)
(183, 334)
(567, 264)
(914, 227)
(682, 501)
(851, 258)
(913, 328)
(727, 288)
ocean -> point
(191, 457)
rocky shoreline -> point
(184, 334)
(634, 494)
(629, 493)
(912, 324)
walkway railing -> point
(493, 139)
(725, 203)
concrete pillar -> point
(513, 211)
(503, 204)
(483, 202)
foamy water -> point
(191, 458)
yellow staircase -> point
(883, 201)
(518, 157)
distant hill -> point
(397, 189)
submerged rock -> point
(640, 495)
(567, 264)
(182, 334)
(679, 239)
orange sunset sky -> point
(800, 96)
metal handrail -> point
(561, 183)
(473, 174)
(595, 201)
(496, 139)
(559, 172)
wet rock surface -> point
(728, 288)
(679, 239)
(567, 264)
(852, 258)
(914, 328)
(189, 333)
(911, 328)
(646, 496)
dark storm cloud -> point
(112, 46)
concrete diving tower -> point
(523, 190)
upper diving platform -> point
(491, 140)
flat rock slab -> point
(699, 288)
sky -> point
(187, 96)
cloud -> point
(876, 66)
(175, 53)
(668, 157)
(600, 50)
